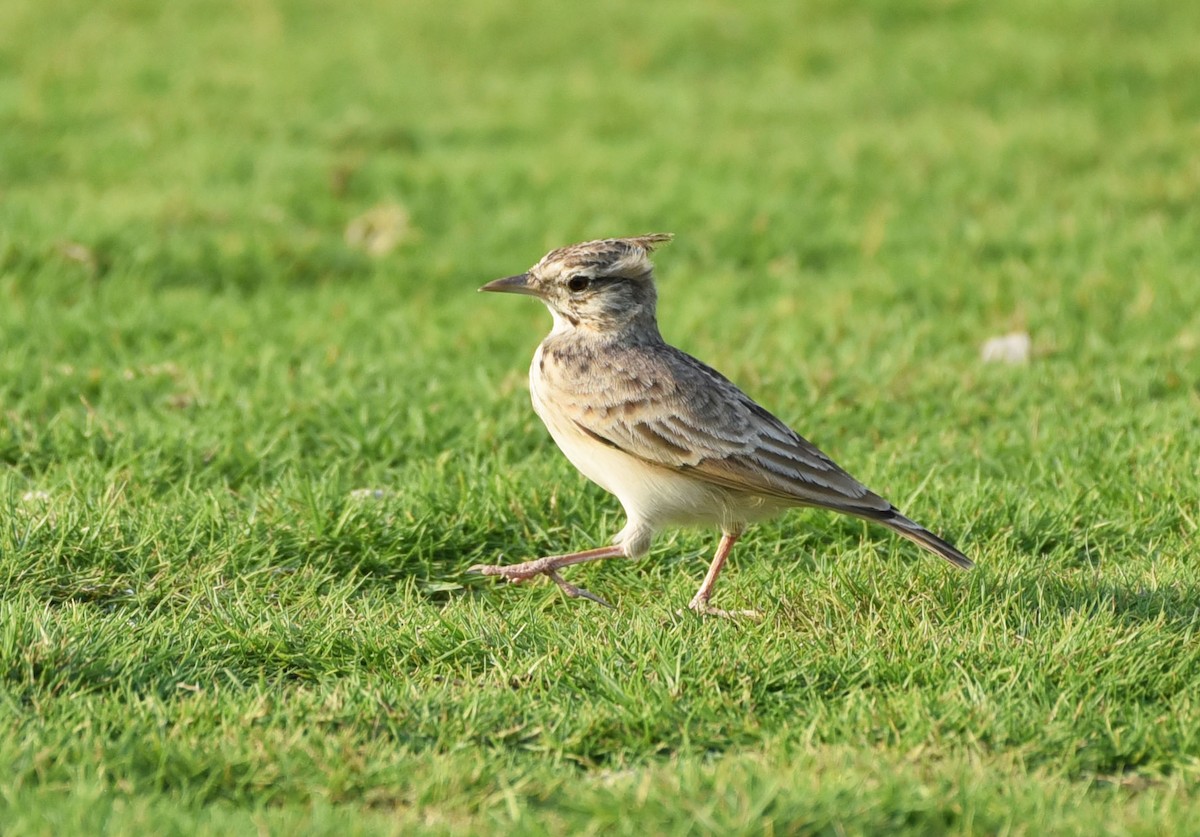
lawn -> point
(255, 422)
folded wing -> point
(716, 432)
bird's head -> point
(603, 286)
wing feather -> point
(671, 410)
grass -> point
(244, 459)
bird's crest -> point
(616, 256)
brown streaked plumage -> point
(672, 438)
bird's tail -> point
(921, 536)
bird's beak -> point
(518, 284)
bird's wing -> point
(671, 410)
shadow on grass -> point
(1177, 607)
(1069, 580)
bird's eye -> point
(577, 282)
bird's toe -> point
(705, 609)
(576, 592)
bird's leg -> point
(699, 602)
(550, 565)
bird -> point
(673, 439)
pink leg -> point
(550, 565)
(699, 602)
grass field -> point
(255, 421)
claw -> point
(576, 592)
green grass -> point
(204, 629)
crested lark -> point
(673, 439)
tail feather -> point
(921, 536)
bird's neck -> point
(641, 328)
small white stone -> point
(1008, 348)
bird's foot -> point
(703, 608)
(513, 573)
(517, 573)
